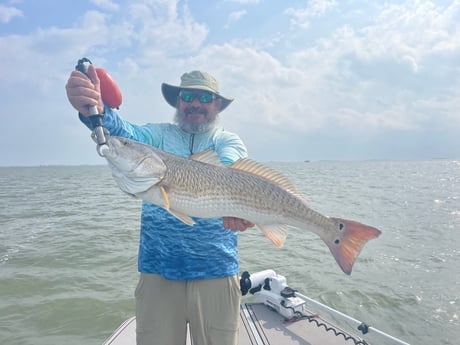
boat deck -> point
(260, 325)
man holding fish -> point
(188, 274)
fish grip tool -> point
(99, 133)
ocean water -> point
(69, 237)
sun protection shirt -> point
(168, 246)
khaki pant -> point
(164, 307)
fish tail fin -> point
(352, 237)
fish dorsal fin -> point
(208, 156)
(252, 167)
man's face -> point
(197, 111)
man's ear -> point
(218, 103)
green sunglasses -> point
(203, 96)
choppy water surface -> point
(68, 250)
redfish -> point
(200, 186)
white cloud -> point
(234, 17)
(161, 30)
(374, 77)
(7, 13)
(412, 30)
(245, 1)
(396, 72)
(106, 4)
(315, 8)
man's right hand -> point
(84, 90)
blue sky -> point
(312, 80)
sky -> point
(312, 80)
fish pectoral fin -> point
(182, 217)
(274, 232)
(165, 197)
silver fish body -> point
(200, 186)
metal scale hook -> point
(99, 133)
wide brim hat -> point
(195, 80)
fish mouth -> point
(103, 149)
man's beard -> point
(181, 120)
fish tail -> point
(352, 237)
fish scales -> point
(200, 186)
(243, 191)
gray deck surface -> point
(258, 326)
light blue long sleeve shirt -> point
(167, 246)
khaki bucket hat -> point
(196, 80)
